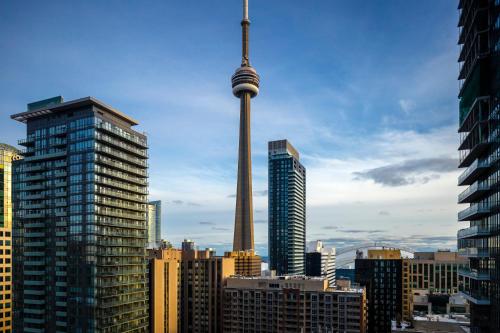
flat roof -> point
(24, 116)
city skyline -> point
(378, 134)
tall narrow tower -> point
(245, 83)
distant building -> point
(164, 290)
(432, 276)
(247, 263)
(479, 114)
(321, 262)
(154, 224)
(346, 273)
(203, 275)
(8, 154)
(287, 209)
(291, 304)
(381, 272)
(80, 226)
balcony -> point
(122, 134)
(476, 274)
(49, 156)
(28, 142)
(473, 232)
(474, 252)
(473, 171)
(477, 298)
(122, 145)
(474, 212)
(468, 156)
(473, 192)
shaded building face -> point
(384, 291)
(479, 114)
(287, 209)
(80, 227)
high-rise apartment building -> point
(80, 227)
(164, 290)
(287, 209)
(8, 154)
(320, 261)
(203, 275)
(154, 224)
(382, 275)
(479, 115)
(292, 304)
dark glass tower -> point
(287, 209)
(245, 83)
(479, 117)
(80, 227)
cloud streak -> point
(408, 172)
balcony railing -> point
(475, 211)
(468, 176)
(472, 192)
(476, 274)
(475, 252)
(475, 231)
(476, 298)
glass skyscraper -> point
(154, 224)
(287, 209)
(479, 116)
(80, 227)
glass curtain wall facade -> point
(154, 224)
(80, 228)
(479, 116)
(287, 209)
(7, 155)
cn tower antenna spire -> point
(245, 82)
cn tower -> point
(245, 83)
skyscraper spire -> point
(245, 83)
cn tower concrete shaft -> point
(245, 83)
(243, 226)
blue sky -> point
(365, 90)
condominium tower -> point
(154, 224)
(80, 227)
(287, 209)
(8, 154)
(479, 116)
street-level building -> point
(80, 228)
(292, 304)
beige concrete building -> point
(247, 263)
(164, 287)
(203, 275)
(7, 155)
(291, 304)
(430, 273)
(186, 289)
